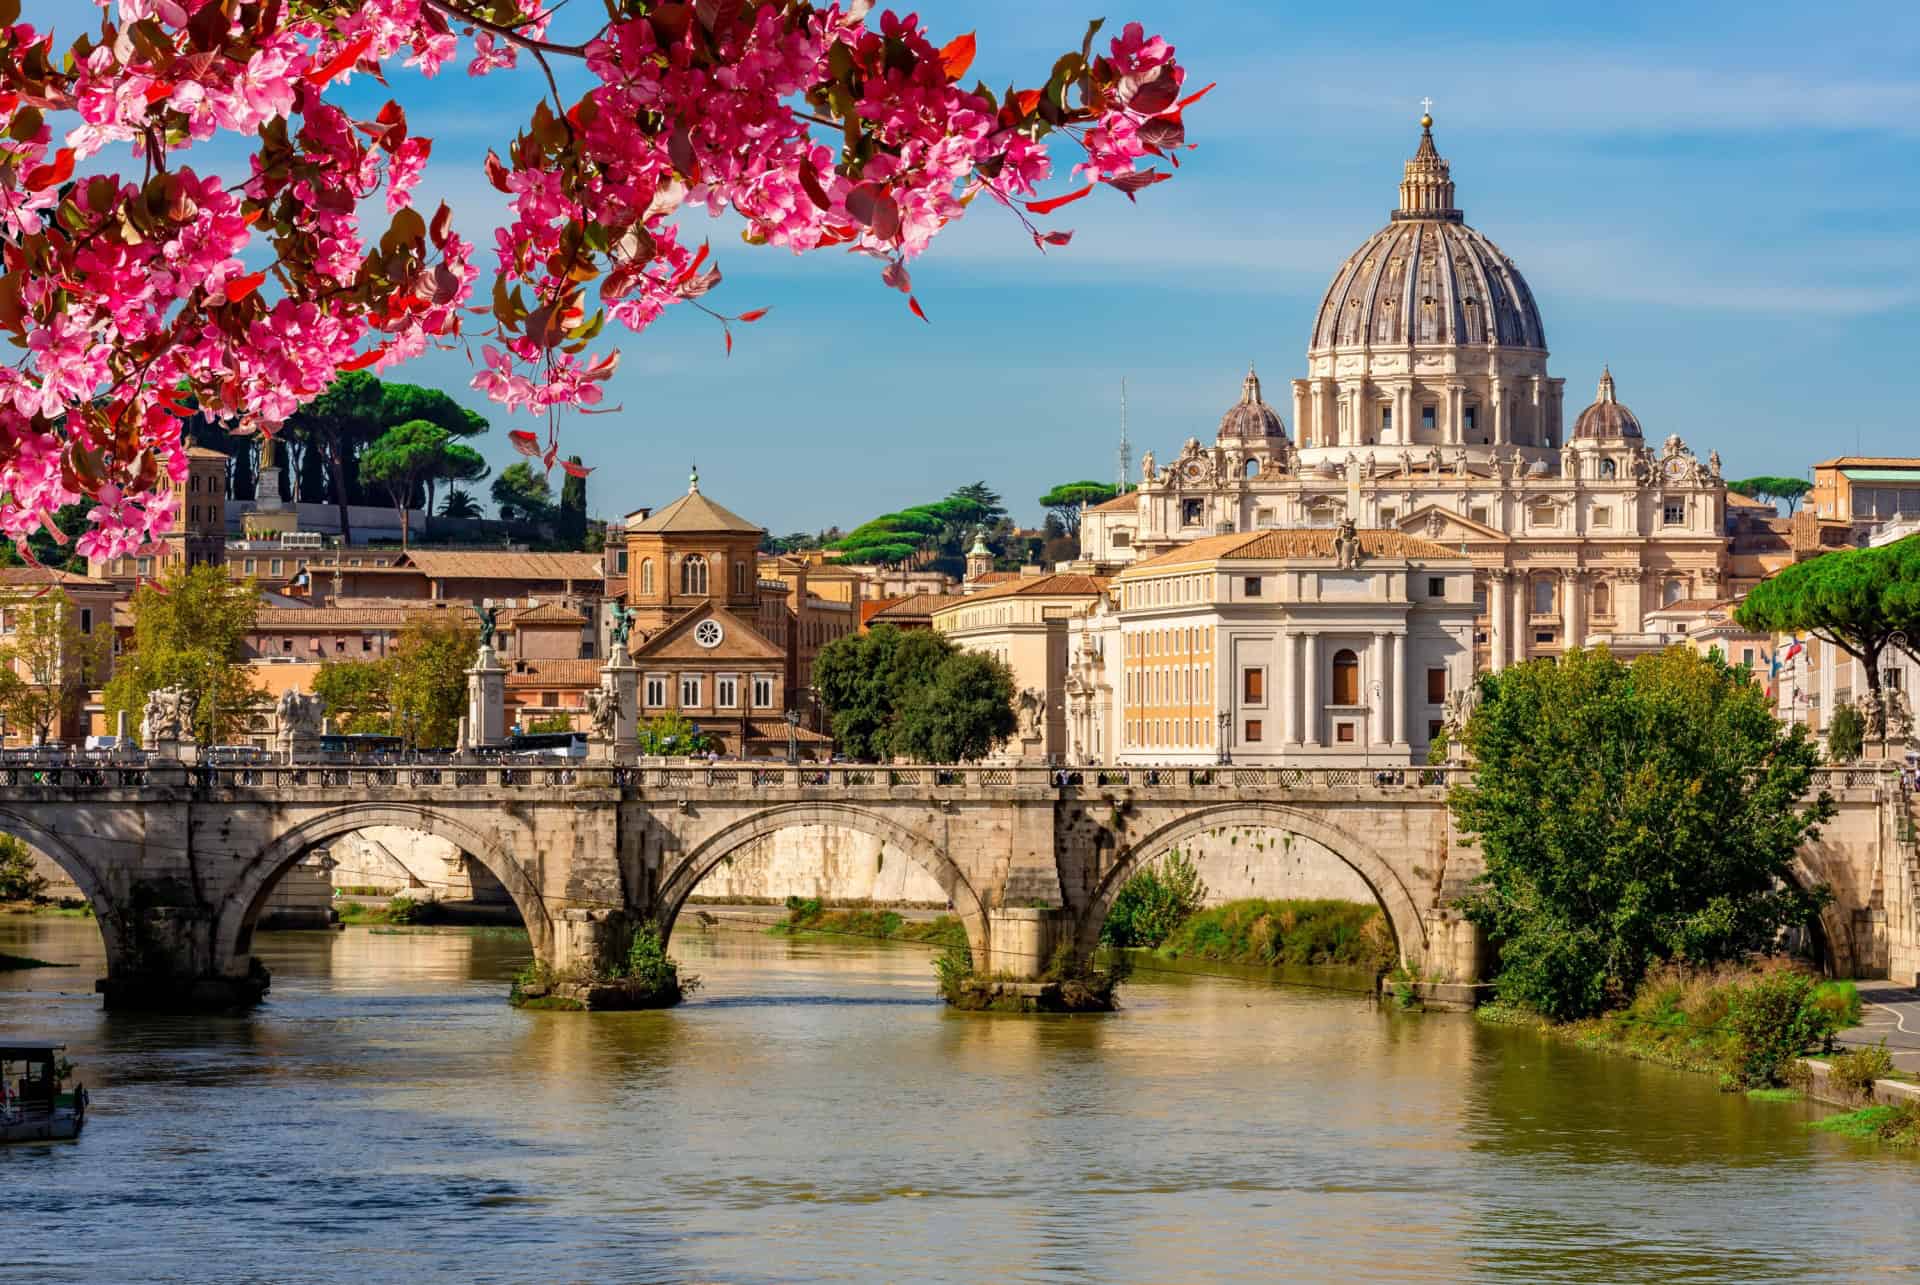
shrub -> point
(1854, 1072)
(19, 881)
(1846, 733)
(1773, 1020)
(649, 967)
(402, 910)
(953, 968)
(1153, 903)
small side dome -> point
(1606, 418)
(1250, 419)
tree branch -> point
(509, 34)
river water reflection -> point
(813, 1114)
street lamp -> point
(1226, 733)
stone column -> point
(486, 700)
(1325, 413)
(1310, 692)
(1522, 610)
(1630, 608)
(1379, 711)
(1403, 692)
(1455, 430)
(1287, 665)
(1300, 411)
(1571, 587)
(1501, 428)
(1497, 619)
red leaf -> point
(1026, 100)
(365, 359)
(1197, 96)
(1048, 207)
(1045, 239)
(686, 274)
(729, 335)
(755, 315)
(957, 55)
(914, 304)
(575, 470)
(895, 275)
(1133, 182)
(524, 442)
(157, 90)
(41, 177)
(342, 60)
(240, 287)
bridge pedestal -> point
(165, 963)
(1021, 939)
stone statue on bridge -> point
(300, 714)
(489, 625)
(1031, 705)
(167, 718)
(603, 710)
(622, 629)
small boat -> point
(34, 1107)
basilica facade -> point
(1428, 407)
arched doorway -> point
(684, 873)
(1396, 902)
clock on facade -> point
(708, 633)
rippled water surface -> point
(813, 1114)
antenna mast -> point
(1126, 447)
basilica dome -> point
(1606, 418)
(1427, 278)
(1250, 419)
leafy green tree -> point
(1790, 489)
(402, 458)
(672, 734)
(1846, 733)
(335, 425)
(894, 693)
(521, 494)
(189, 631)
(19, 879)
(355, 694)
(459, 504)
(570, 522)
(400, 403)
(1631, 814)
(961, 715)
(47, 665)
(427, 678)
(550, 723)
(1065, 500)
(458, 463)
(1862, 601)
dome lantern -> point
(1426, 188)
(1606, 418)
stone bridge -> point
(178, 862)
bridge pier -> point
(1021, 939)
(167, 960)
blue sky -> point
(1719, 200)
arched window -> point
(1543, 595)
(693, 576)
(646, 575)
(1670, 593)
(1253, 468)
(1346, 678)
(1609, 470)
(1602, 599)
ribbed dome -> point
(1250, 419)
(1606, 417)
(1427, 278)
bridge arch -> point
(240, 910)
(689, 868)
(81, 869)
(1403, 914)
(1834, 931)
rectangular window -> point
(1436, 586)
(366, 644)
(1433, 729)
(1253, 685)
(1191, 512)
(1386, 419)
(1428, 417)
(1471, 420)
(1603, 517)
(1746, 657)
(1388, 516)
(1252, 586)
(1343, 733)
(249, 568)
(1478, 515)
(143, 566)
(1543, 635)
(726, 691)
(689, 691)
(1675, 513)
(1543, 515)
(1436, 686)
(339, 644)
(1253, 729)
(273, 568)
(86, 620)
(762, 692)
(620, 561)
(656, 690)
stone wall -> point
(830, 862)
(1241, 862)
(303, 898)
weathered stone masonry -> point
(178, 865)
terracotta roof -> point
(1292, 543)
(1049, 586)
(776, 730)
(554, 673)
(547, 613)
(694, 513)
(21, 577)
(995, 577)
(917, 606)
(1735, 500)
(486, 565)
(205, 453)
(1128, 503)
(1871, 461)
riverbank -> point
(808, 915)
(1299, 933)
(64, 909)
(15, 963)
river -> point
(814, 1114)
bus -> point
(341, 745)
(548, 745)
